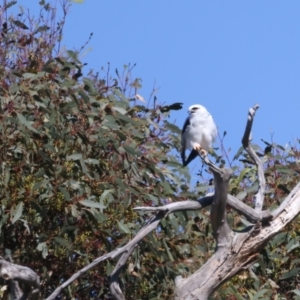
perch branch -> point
(242, 249)
(221, 229)
(259, 196)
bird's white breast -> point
(202, 130)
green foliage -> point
(78, 152)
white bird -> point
(198, 133)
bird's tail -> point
(191, 157)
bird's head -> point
(197, 108)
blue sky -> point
(225, 55)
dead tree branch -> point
(239, 250)
(242, 208)
(16, 274)
(244, 251)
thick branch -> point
(247, 211)
(259, 196)
(16, 273)
(221, 229)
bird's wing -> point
(183, 139)
(185, 125)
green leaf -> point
(173, 127)
(84, 96)
(106, 194)
(38, 209)
(123, 227)
(243, 173)
(43, 248)
(20, 24)
(132, 150)
(45, 156)
(168, 250)
(25, 223)
(75, 213)
(239, 152)
(78, 1)
(23, 121)
(84, 167)
(284, 169)
(65, 192)
(297, 292)
(241, 195)
(42, 28)
(92, 204)
(151, 198)
(17, 213)
(7, 176)
(89, 85)
(9, 4)
(75, 156)
(121, 110)
(92, 161)
(292, 245)
(291, 273)
(261, 293)
(62, 241)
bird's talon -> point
(203, 152)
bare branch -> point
(250, 214)
(114, 280)
(16, 273)
(259, 196)
(247, 211)
(14, 287)
(178, 206)
(152, 224)
(221, 229)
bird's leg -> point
(197, 147)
